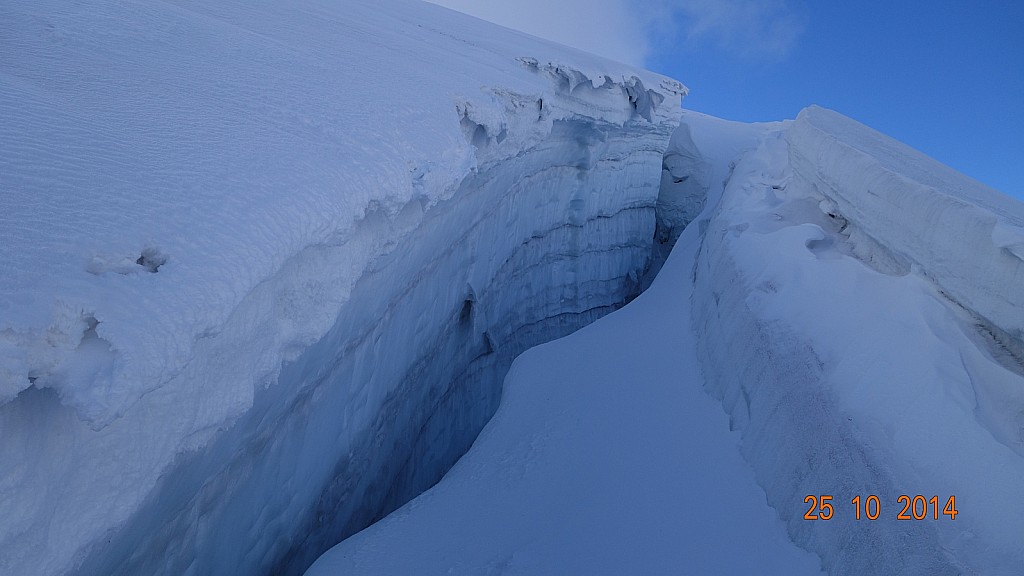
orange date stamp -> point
(912, 507)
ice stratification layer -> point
(858, 310)
(263, 266)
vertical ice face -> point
(267, 264)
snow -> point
(268, 169)
(264, 267)
(852, 373)
(843, 372)
(236, 242)
(964, 236)
(693, 177)
(605, 457)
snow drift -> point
(858, 320)
(265, 265)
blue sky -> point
(946, 77)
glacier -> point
(604, 457)
(258, 290)
(855, 313)
(376, 287)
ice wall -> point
(376, 411)
(588, 467)
(269, 263)
(826, 328)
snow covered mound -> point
(263, 265)
(857, 308)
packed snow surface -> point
(263, 264)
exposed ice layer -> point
(849, 379)
(248, 247)
(964, 236)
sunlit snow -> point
(267, 270)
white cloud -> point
(607, 27)
(760, 29)
(628, 30)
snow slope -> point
(853, 313)
(605, 457)
(263, 264)
(263, 267)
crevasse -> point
(379, 408)
(272, 297)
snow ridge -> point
(826, 328)
(964, 236)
